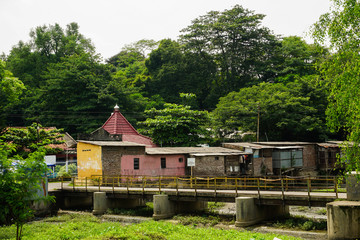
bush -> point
(72, 170)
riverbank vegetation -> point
(86, 226)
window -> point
(163, 162)
(136, 163)
(216, 158)
(181, 159)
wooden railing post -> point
(160, 185)
(62, 181)
(73, 182)
(127, 185)
(143, 185)
(336, 187)
(215, 186)
(195, 187)
(99, 183)
(85, 184)
(113, 184)
(258, 187)
(236, 187)
(177, 186)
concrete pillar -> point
(343, 220)
(163, 207)
(248, 213)
(352, 187)
(100, 203)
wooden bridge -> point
(305, 191)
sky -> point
(111, 24)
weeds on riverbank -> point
(301, 223)
(86, 226)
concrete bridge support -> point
(249, 213)
(165, 208)
(102, 203)
(343, 220)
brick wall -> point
(260, 163)
(309, 157)
(111, 158)
(232, 163)
(209, 166)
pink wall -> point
(150, 165)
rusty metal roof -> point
(112, 143)
(193, 150)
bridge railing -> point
(158, 183)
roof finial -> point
(116, 108)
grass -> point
(321, 211)
(213, 206)
(205, 219)
(86, 226)
(301, 223)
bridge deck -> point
(266, 197)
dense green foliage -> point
(31, 139)
(176, 125)
(20, 181)
(90, 227)
(218, 57)
(342, 73)
(61, 170)
(292, 111)
(10, 90)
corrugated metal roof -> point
(329, 145)
(247, 145)
(289, 147)
(112, 143)
(192, 150)
(285, 143)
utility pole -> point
(258, 123)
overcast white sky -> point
(113, 23)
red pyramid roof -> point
(117, 124)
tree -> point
(30, 139)
(340, 27)
(237, 43)
(10, 91)
(174, 70)
(294, 111)
(19, 183)
(29, 61)
(176, 125)
(48, 44)
(295, 58)
(77, 85)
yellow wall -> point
(88, 160)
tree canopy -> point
(66, 84)
(176, 125)
(340, 27)
(293, 111)
(10, 91)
